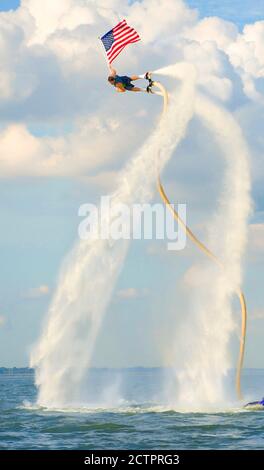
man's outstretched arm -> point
(112, 71)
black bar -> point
(121, 458)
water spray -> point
(207, 111)
(211, 256)
(63, 354)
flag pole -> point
(117, 15)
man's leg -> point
(138, 89)
(146, 76)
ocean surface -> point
(137, 421)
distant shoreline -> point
(29, 371)
(16, 370)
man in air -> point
(123, 83)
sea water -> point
(130, 414)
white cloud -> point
(169, 20)
(131, 293)
(245, 51)
(192, 277)
(52, 71)
(37, 292)
(248, 51)
(214, 29)
(210, 64)
(17, 76)
(19, 150)
(53, 15)
(85, 149)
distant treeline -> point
(16, 370)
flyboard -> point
(154, 84)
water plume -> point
(204, 342)
(63, 353)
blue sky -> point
(6, 5)
(239, 12)
(43, 212)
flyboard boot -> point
(149, 87)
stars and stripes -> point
(118, 38)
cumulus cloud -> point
(214, 29)
(52, 71)
(245, 51)
(52, 16)
(81, 151)
(192, 277)
(37, 292)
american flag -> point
(119, 37)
